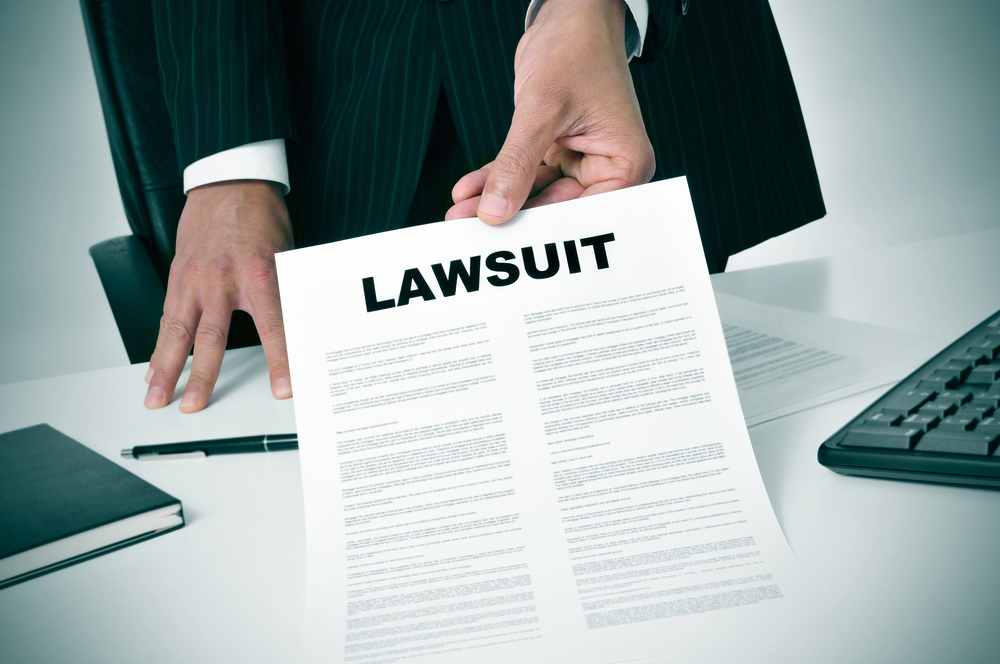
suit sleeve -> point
(661, 32)
(223, 73)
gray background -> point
(900, 98)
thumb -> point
(513, 172)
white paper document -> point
(786, 361)
(524, 444)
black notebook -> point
(62, 503)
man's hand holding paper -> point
(577, 128)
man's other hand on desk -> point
(577, 129)
(226, 241)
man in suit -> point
(363, 91)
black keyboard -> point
(940, 424)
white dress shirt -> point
(266, 160)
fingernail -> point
(189, 399)
(154, 396)
(282, 388)
(493, 205)
(149, 375)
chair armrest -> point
(134, 292)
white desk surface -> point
(910, 572)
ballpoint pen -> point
(202, 448)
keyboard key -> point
(899, 438)
(885, 419)
(990, 347)
(938, 408)
(908, 402)
(950, 379)
(985, 399)
(990, 425)
(978, 412)
(972, 356)
(962, 367)
(957, 423)
(957, 442)
(921, 421)
(984, 374)
(960, 397)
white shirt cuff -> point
(264, 160)
(635, 32)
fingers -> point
(625, 164)
(265, 307)
(513, 172)
(173, 344)
(602, 187)
(169, 305)
(563, 189)
(471, 184)
(463, 209)
(207, 329)
(467, 196)
(544, 176)
(209, 349)
(549, 190)
(197, 312)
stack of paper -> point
(786, 361)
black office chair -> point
(134, 268)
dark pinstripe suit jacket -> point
(352, 86)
